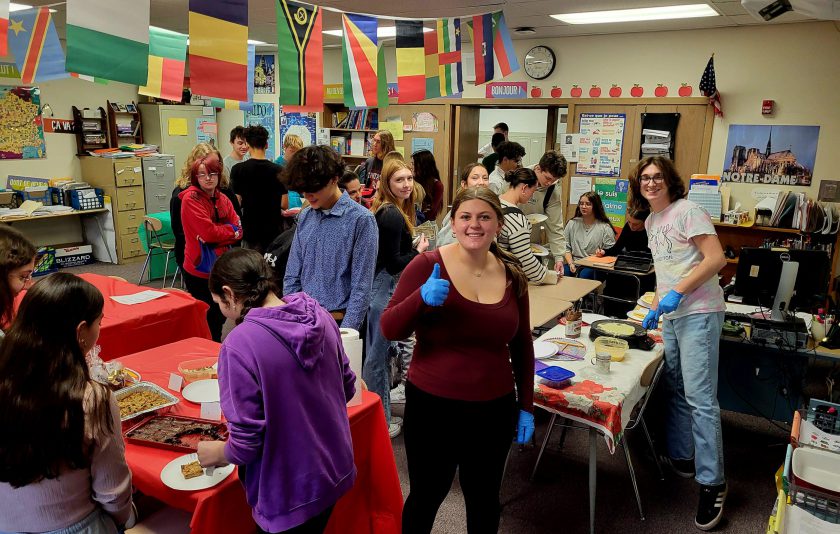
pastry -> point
(192, 470)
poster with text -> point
(613, 195)
(264, 74)
(300, 124)
(21, 127)
(262, 114)
(770, 155)
(599, 144)
(206, 130)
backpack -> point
(547, 197)
(277, 253)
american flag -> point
(708, 86)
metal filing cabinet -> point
(122, 180)
(158, 182)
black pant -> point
(444, 434)
(315, 525)
(198, 288)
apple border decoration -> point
(615, 91)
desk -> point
(129, 328)
(568, 289)
(603, 403)
(28, 226)
(373, 505)
(544, 310)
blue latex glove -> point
(236, 231)
(670, 302)
(525, 427)
(651, 320)
(435, 290)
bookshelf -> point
(351, 130)
(91, 127)
(124, 126)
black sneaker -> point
(710, 507)
(681, 468)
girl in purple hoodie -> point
(285, 382)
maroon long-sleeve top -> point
(465, 350)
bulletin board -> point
(21, 126)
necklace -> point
(478, 274)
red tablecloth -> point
(373, 505)
(131, 328)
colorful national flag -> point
(109, 39)
(481, 30)
(708, 86)
(167, 63)
(359, 57)
(381, 79)
(34, 43)
(504, 55)
(411, 61)
(430, 47)
(299, 44)
(219, 48)
(235, 104)
(4, 27)
(449, 56)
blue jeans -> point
(582, 272)
(376, 372)
(691, 377)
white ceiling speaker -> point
(770, 9)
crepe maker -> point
(637, 340)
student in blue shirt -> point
(333, 254)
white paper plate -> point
(172, 477)
(202, 391)
(544, 349)
(639, 315)
(536, 218)
(539, 250)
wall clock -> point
(540, 62)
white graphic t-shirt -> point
(675, 256)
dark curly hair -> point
(553, 163)
(247, 274)
(673, 181)
(312, 169)
(510, 150)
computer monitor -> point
(760, 270)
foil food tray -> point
(172, 400)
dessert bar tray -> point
(175, 432)
(156, 400)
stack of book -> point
(358, 119)
(656, 143)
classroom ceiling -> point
(172, 15)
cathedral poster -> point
(770, 155)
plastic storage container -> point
(615, 347)
(87, 199)
(816, 469)
(199, 369)
(555, 377)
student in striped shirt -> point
(515, 236)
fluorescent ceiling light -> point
(641, 14)
(383, 32)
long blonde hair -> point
(201, 151)
(386, 141)
(511, 263)
(385, 196)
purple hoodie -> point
(285, 382)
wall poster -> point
(777, 155)
(300, 124)
(262, 114)
(613, 195)
(21, 126)
(264, 74)
(600, 143)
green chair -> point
(155, 242)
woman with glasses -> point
(687, 256)
(588, 232)
(210, 226)
(370, 170)
(17, 263)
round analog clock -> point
(540, 62)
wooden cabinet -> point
(122, 180)
(91, 129)
(158, 181)
(124, 125)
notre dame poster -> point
(772, 155)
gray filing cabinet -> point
(158, 180)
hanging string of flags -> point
(429, 56)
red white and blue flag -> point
(504, 55)
(481, 29)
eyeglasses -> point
(656, 178)
(24, 277)
(211, 176)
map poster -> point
(770, 155)
(613, 195)
(300, 124)
(599, 145)
(262, 114)
(264, 74)
(21, 126)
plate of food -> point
(639, 315)
(536, 218)
(646, 300)
(185, 474)
(539, 250)
(143, 398)
(202, 391)
(121, 377)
